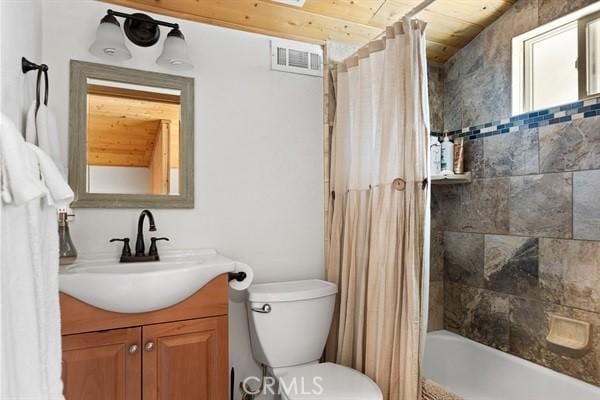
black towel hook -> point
(27, 66)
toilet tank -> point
(295, 329)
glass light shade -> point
(110, 43)
(174, 55)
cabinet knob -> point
(149, 346)
(133, 349)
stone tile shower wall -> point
(522, 241)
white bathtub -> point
(478, 372)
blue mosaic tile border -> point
(555, 115)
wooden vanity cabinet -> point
(101, 365)
(177, 353)
(186, 360)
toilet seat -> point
(327, 381)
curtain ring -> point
(399, 184)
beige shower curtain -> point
(378, 221)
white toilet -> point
(289, 325)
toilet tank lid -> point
(290, 291)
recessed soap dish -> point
(569, 333)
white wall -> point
(130, 180)
(20, 36)
(258, 149)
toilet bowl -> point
(289, 325)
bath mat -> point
(433, 391)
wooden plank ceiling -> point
(123, 131)
(451, 23)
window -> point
(557, 63)
(550, 68)
(589, 36)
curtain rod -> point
(420, 7)
(412, 13)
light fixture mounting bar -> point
(135, 17)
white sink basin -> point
(105, 283)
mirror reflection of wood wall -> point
(135, 129)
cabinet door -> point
(186, 360)
(102, 365)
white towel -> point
(59, 193)
(30, 351)
(41, 130)
(22, 183)
(30, 124)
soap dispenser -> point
(67, 250)
(447, 156)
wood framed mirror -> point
(131, 138)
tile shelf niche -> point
(451, 179)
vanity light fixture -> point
(174, 54)
(110, 43)
(144, 31)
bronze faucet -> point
(140, 247)
(139, 242)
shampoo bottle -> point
(447, 156)
(435, 156)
